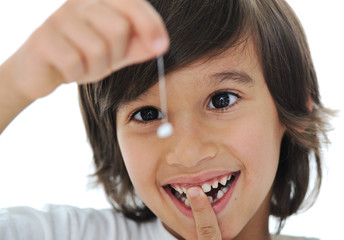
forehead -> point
(239, 65)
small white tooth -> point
(187, 203)
(225, 189)
(229, 177)
(220, 194)
(184, 190)
(223, 181)
(215, 184)
(183, 199)
(210, 199)
(206, 187)
(179, 189)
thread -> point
(165, 129)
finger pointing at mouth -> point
(207, 226)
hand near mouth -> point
(206, 223)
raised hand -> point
(83, 41)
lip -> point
(217, 206)
(197, 179)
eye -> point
(223, 99)
(147, 114)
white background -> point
(45, 157)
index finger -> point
(146, 22)
(206, 223)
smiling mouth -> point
(214, 189)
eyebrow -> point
(215, 79)
(241, 78)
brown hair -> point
(205, 29)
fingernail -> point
(193, 192)
(160, 44)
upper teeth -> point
(178, 189)
(206, 186)
(215, 184)
(223, 181)
(184, 190)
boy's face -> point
(225, 125)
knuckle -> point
(122, 29)
(71, 59)
(200, 210)
(97, 49)
(72, 66)
(206, 231)
(119, 35)
(97, 58)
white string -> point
(165, 129)
(162, 86)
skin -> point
(244, 137)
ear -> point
(310, 102)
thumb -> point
(207, 226)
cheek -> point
(141, 162)
(256, 144)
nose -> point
(192, 144)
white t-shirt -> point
(57, 222)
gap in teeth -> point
(214, 191)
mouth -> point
(216, 189)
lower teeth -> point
(186, 202)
